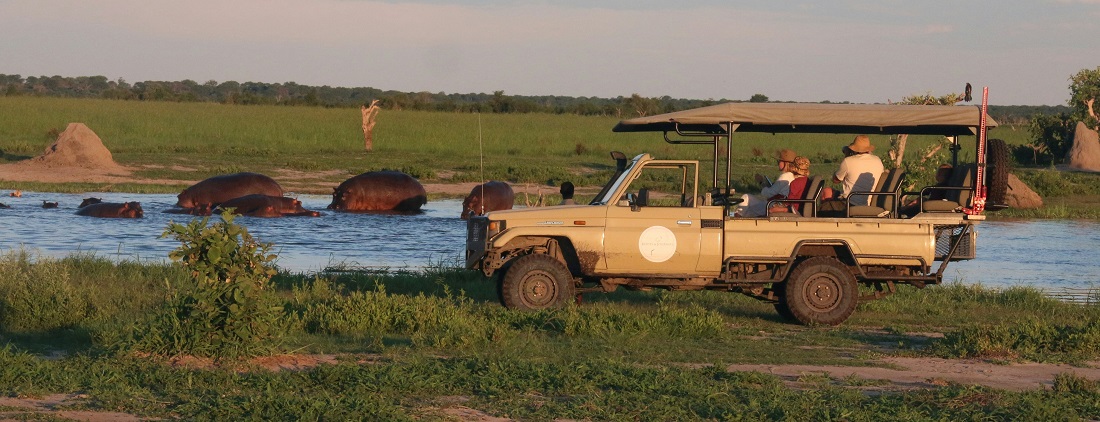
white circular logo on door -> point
(657, 244)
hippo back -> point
(379, 191)
(218, 189)
(495, 195)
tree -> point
(925, 168)
(1084, 89)
(758, 98)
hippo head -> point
(472, 206)
(339, 199)
(131, 210)
(89, 201)
(184, 200)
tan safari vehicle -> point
(686, 237)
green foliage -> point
(221, 252)
(1051, 139)
(38, 298)
(225, 310)
(1032, 339)
(1084, 90)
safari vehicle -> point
(809, 266)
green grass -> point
(192, 141)
(409, 342)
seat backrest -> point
(963, 177)
(890, 182)
(813, 190)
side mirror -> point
(630, 200)
(643, 197)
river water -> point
(1047, 254)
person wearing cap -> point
(801, 169)
(757, 205)
(859, 171)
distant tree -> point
(930, 158)
(641, 106)
(1084, 89)
(1051, 138)
(758, 98)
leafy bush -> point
(1052, 136)
(226, 309)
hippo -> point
(89, 201)
(215, 190)
(112, 210)
(4, 206)
(16, 194)
(258, 205)
(489, 196)
(201, 210)
(379, 191)
(46, 204)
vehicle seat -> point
(884, 200)
(808, 200)
(960, 189)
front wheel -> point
(821, 290)
(536, 282)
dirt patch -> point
(52, 406)
(917, 372)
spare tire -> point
(997, 168)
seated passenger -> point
(859, 172)
(757, 205)
(801, 169)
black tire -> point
(998, 165)
(781, 307)
(536, 282)
(821, 290)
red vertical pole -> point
(979, 183)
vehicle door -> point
(655, 225)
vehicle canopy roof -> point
(815, 118)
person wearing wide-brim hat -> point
(757, 205)
(859, 171)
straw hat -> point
(861, 144)
(785, 155)
(801, 166)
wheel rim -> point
(538, 289)
(822, 292)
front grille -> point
(946, 236)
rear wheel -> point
(820, 290)
(536, 282)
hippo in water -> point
(215, 190)
(47, 204)
(89, 201)
(379, 191)
(112, 210)
(267, 206)
(490, 196)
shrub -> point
(226, 310)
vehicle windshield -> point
(613, 184)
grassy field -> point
(403, 345)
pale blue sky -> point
(859, 51)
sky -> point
(872, 51)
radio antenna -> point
(481, 152)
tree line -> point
(293, 94)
